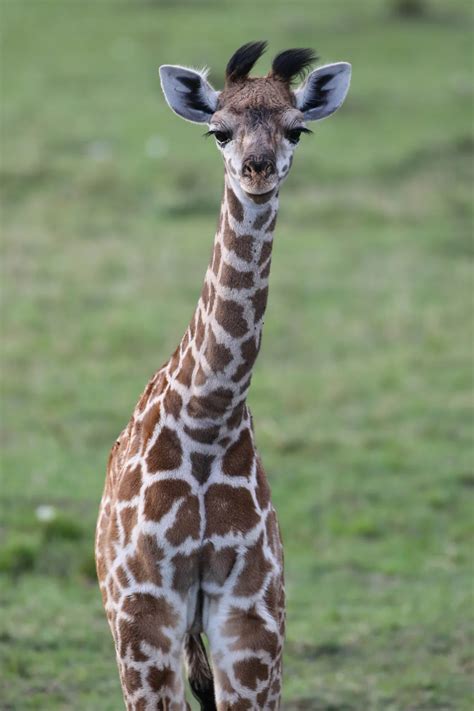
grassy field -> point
(362, 393)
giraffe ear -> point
(188, 93)
(324, 91)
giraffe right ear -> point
(188, 93)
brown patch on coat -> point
(161, 495)
(236, 417)
(271, 226)
(245, 385)
(224, 683)
(255, 570)
(235, 279)
(128, 517)
(230, 315)
(242, 370)
(113, 590)
(149, 422)
(276, 686)
(213, 405)
(185, 372)
(219, 220)
(261, 218)
(112, 535)
(205, 435)
(259, 301)
(166, 453)
(235, 206)
(217, 565)
(262, 698)
(145, 563)
(173, 403)
(135, 442)
(250, 630)
(242, 245)
(187, 522)
(265, 273)
(250, 672)
(149, 614)
(272, 597)
(263, 490)
(274, 536)
(216, 258)
(158, 679)
(130, 483)
(266, 252)
(121, 576)
(217, 354)
(132, 679)
(249, 351)
(174, 361)
(200, 333)
(212, 298)
(200, 377)
(186, 571)
(205, 295)
(144, 397)
(229, 509)
(201, 466)
(238, 459)
(192, 326)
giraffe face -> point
(257, 128)
(257, 122)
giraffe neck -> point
(214, 361)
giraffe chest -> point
(189, 527)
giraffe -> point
(187, 540)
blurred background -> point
(362, 392)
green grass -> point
(362, 395)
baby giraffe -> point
(187, 538)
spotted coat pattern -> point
(187, 538)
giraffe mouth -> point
(260, 197)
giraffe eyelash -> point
(293, 134)
(222, 137)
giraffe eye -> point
(222, 137)
(294, 134)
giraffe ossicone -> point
(187, 539)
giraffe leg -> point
(246, 648)
(149, 634)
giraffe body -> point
(186, 526)
(187, 538)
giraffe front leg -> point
(149, 634)
(246, 647)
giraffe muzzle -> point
(256, 168)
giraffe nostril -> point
(255, 166)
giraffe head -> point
(257, 121)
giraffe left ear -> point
(188, 93)
(324, 91)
